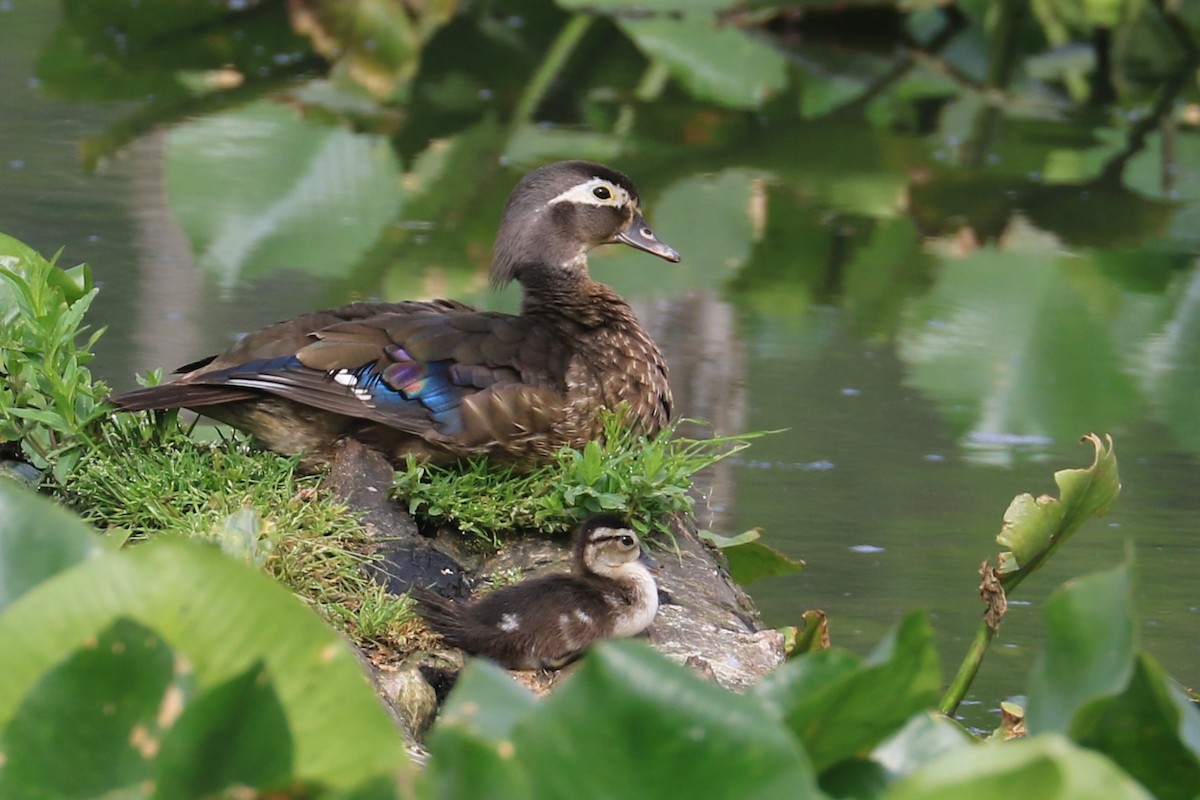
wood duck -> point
(546, 622)
(442, 380)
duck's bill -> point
(640, 235)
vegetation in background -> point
(48, 400)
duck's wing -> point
(437, 368)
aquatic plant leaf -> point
(232, 734)
(840, 706)
(629, 719)
(223, 618)
(1151, 730)
(279, 192)
(925, 737)
(471, 748)
(1090, 643)
(812, 636)
(38, 540)
(1034, 528)
(92, 723)
(750, 559)
(1047, 767)
(718, 63)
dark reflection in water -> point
(934, 339)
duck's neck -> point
(570, 292)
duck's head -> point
(559, 212)
(607, 546)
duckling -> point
(441, 380)
(546, 622)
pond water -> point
(933, 313)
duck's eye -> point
(602, 193)
(626, 541)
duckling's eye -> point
(626, 541)
(602, 193)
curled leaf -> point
(1033, 529)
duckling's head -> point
(557, 213)
(607, 546)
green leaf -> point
(713, 62)
(223, 618)
(92, 723)
(1044, 767)
(277, 193)
(621, 727)
(38, 540)
(840, 707)
(753, 560)
(470, 747)
(1090, 641)
(1150, 729)
(923, 738)
(233, 734)
(1034, 528)
(629, 719)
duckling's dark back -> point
(540, 624)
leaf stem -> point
(967, 671)
(568, 38)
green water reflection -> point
(935, 294)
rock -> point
(361, 477)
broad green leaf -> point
(840, 707)
(714, 62)
(1034, 528)
(471, 749)
(38, 540)
(223, 618)
(722, 542)
(750, 559)
(1150, 729)
(258, 189)
(233, 734)
(753, 560)
(628, 721)
(1090, 642)
(1045, 767)
(92, 723)
(923, 738)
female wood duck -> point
(442, 380)
(546, 622)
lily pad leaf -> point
(1089, 651)
(1034, 528)
(38, 540)
(839, 706)
(223, 619)
(1150, 729)
(629, 717)
(92, 724)
(714, 62)
(750, 559)
(1047, 767)
(279, 192)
